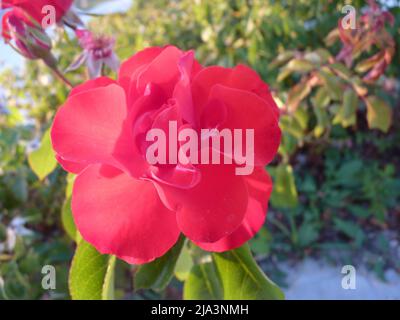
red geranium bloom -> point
(34, 7)
(123, 205)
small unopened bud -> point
(26, 36)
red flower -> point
(125, 206)
(34, 7)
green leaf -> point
(379, 114)
(295, 65)
(307, 234)
(332, 84)
(350, 229)
(341, 70)
(300, 65)
(67, 219)
(107, 292)
(301, 117)
(313, 57)
(253, 49)
(283, 74)
(296, 94)
(18, 184)
(367, 64)
(284, 193)
(183, 265)
(320, 102)
(70, 183)
(90, 276)
(42, 161)
(321, 99)
(358, 86)
(346, 115)
(203, 283)
(324, 54)
(281, 59)
(242, 278)
(158, 274)
(350, 103)
(332, 37)
(288, 145)
(261, 243)
(295, 124)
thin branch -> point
(60, 76)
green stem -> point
(60, 76)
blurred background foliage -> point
(337, 182)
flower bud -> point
(26, 36)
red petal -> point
(259, 185)
(179, 176)
(140, 59)
(182, 91)
(20, 16)
(212, 209)
(246, 110)
(70, 166)
(92, 84)
(91, 128)
(122, 216)
(76, 167)
(239, 77)
(34, 8)
(162, 71)
(130, 69)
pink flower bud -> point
(25, 35)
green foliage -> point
(238, 266)
(379, 114)
(42, 161)
(284, 194)
(346, 115)
(217, 276)
(203, 283)
(183, 265)
(91, 274)
(67, 219)
(353, 192)
(158, 274)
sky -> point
(9, 58)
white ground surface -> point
(314, 280)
